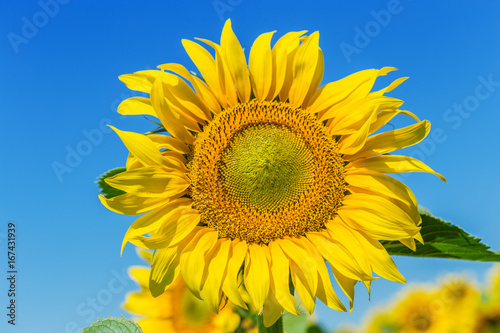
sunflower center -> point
(267, 166)
(265, 170)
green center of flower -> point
(267, 166)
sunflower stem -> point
(277, 327)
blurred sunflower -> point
(267, 171)
(176, 310)
(488, 313)
(460, 298)
(421, 311)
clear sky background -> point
(58, 86)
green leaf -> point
(107, 190)
(113, 325)
(444, 240)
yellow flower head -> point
(421, 311)
(266, 170)
(176, 310)
(459, 293)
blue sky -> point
(58, 85)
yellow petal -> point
(282, 53)
(304, 67)
(171, 120)
(336, 254)
(272, 310)
(170, 143)
(346, 90)
(140, 302)
(144, 254)
(175, 160)
(141, 147)
(383, 205)
(193, 259)
(226, 80)
(135, 106)
(140, 275)
(201, 88)
(344, 235)
(172, 160)
(151, 222)
(378, 217)
(392, 164)
(383, 117)
(299, 282)
(230, 285)
(325, 290)
(129, 204)
(207, 67)
(208, 96)
(217, 266)
(300, 254)
(383, 184)
(316, 81)
(406, 205)
(257, 275)
(280, 269)
(236, 62)
(393, 140)
(391, 87)
(150, 182)
(184, 97)
(179, 224)
(140, 81)
(349, 118)
(164, 270)
(382, 264)
(346, 284)
(260, 65)
(352, 143)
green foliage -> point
(444, 240)
(113, 325)
(314, 329)
(107, 190)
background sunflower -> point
(456, 303)
(176, 310)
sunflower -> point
(488, 313)
(461, 298)
(265, 170)
(420, 310)
(488, 319)
(176, 310)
